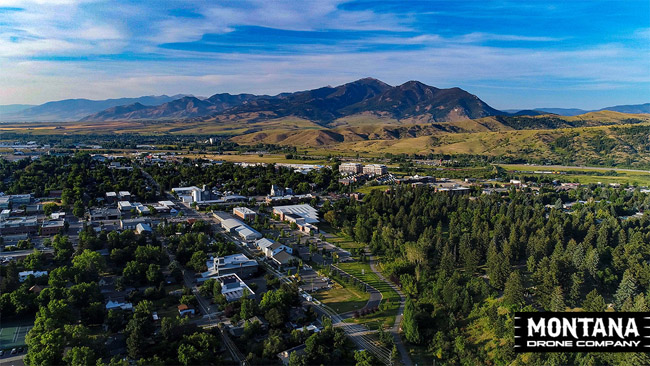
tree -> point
(62, 248)
(557, 300)
(514, 290)
(410, 324)
(626, 289)
(80, 356)
(154, 274)
(364, 358)
(247, 309)
(197, 262)
(34, 261)
(594, 302)
(89, 263)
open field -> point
(390, 301)
(343, 299)
(368, 189)
(255, 158)
(603, 175)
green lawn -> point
(368, 189)
(343, 299)
(621, 176)
(390, 300)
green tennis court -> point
(13, 335)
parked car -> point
(14, 351)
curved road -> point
(397, 326)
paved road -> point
(373, 301)
(359, 334)
(397, 326)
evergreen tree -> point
(557, 300)
(514, 290)
(626, 289)
(594, 302)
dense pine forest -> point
(467, 263)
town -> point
(251, 270)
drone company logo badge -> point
(582, 332)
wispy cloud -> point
(58, 49)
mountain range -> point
(411, 102)
(73, 109)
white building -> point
(22, 276)
(231, 224)
(247, 233)
(275, 248)
(233, 288)
(375, 169)
(305, 211)
(118, 305)
(125, 206)
(351, 168)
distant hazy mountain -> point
(631, 108)
(186, 107)
(12, 108)
(563, 111)
(74, 109)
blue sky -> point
(512, 54)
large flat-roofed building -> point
(231, 224)
(247, 233)
(244, 213)
(308, 213)
(52, 227)
(98, 214)
(222, 216)
(111, 197)
(19, 225)
(237, 264)
(375, 169)
(351, 168)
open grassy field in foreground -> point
(390, 301)
(343, 299)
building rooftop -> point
(230, 224)
(305, 211)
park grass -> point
(367, 189)
(389, 303)
(344, 242)
(343, 299)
